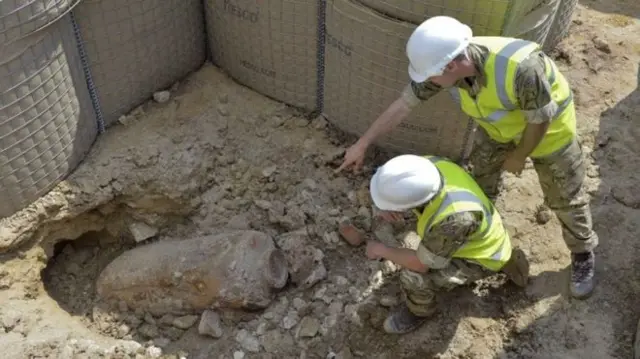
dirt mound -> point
(217, 156)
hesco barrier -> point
(137, 47)
(486, 17)
(47, 122)
(535, 25)
(267, 45)
(561, 23)
(366, 69)
(19, 18)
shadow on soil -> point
(630, 8)
(611, 314)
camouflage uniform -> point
(445, 272)
(561, 174)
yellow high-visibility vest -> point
(496, 109)
(490, 246)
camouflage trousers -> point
(420, 289)
(561, 177)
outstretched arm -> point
(436, 249)
(533, 92)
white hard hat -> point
(404, 182)
(433, 44)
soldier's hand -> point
(514, 163)
(354, 156)
(375, 249)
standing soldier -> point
(524, 107)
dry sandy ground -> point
(218, 154)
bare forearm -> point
(388, 120)
(531, 137)
(404, 257)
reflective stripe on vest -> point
(495, 107)
(490, 246)
(500, 76)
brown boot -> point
(517, 268)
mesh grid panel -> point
(267, 45)
(366, 69)
(47, 123)
(137, 47)
(19, 18)
(535, 25)
(560, 27)
(485, 17)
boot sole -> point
(517, 269)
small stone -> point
(124, 120)
(345, 353)
(262, 328)
(268, 171)
(122, 306)
(331, 237)
(262, 204)
(223, 98)
(238, 355)
(601, 45)
(123, 330)
(320, 293)
(335, 308)
(154, 352)
(148, 330)
(388, 301)
(148, 318)
(161, 342)
(376, 278)
(319, 123)
(167, 319)
(310, 184)
(239, 221)
(301, 122)
(290, 320)
(341, 281)
(248, 342)
(185, 322)
(223, 111)
(309, 327)
(319, 273)
(299, 303)
(543, 215)
(210, 324)
(73, 268)
(162, 96)
(142, 231)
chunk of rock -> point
(185, 322)
(304, 261)
(233, 269)
(351, 234)
(210, 324)
(308, 327)
(238, 355)
(142, 231)
(162, 96)
(247, 341)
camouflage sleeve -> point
(414, 92)
(533, 90)
(437, 248)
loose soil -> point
(219, 155)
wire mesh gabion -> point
(19, 18)
(137, 47)
(47, 122)
(366, 68)
(267, 45)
